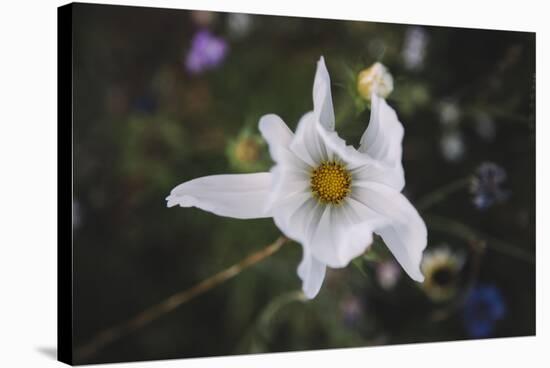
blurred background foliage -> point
(163, 96)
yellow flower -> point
(441, 268)
(246, 151)
(374, 79)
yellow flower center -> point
(247, 150)
(330, 182)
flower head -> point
(375, 79)
(441, 268)
(486, 185)
(246, 151)
(452, 145)
(146, 103)
(449, 113)
(352, 310)
(239, 24)
(485, 126)
(414, 48)
(483, 308)
(388, 274)
(322, 193)
(207, 52)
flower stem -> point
(467, 233)
(266, 317)
(150, 314)
(258, 333)
(440, 194)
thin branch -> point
(467, 233)
(259, 330)
(267, 315)
(442, 193)
(150, 314)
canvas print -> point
(253, 183)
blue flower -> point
(486, 185)
(207, 52)
(146, 103)
(483, 308)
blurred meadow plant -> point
(486, 185)
(247, 152)
(442, 268)
(484, 307)
(207, 52)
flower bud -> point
(246, 152)
(375, 79)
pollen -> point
(330, 182)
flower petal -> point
(312, 272)
(240, 196)
(291, 175)
(404, 233)
(362, 166)
(286, 184)
(374, 171)
(307, 143)
(296, 215)
(275, 132)
(322, 98)
(279, 137)
(383, 137)
(343, 233)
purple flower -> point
(351, 308)
(388, 274)
(486, 185)
(146, 103)
(207, 52)
(483, 308)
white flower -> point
(326, 195)
(239, 24)
(449, 113)
(414, 48)
(388, 273)
(375, 79)
(452, 146)
(485, 126)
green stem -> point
(503, 114)
(275, 305)
(442, 193)
(460, 230)
(260, 329)
(344, 112)
(358, 263)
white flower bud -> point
(376, 79)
